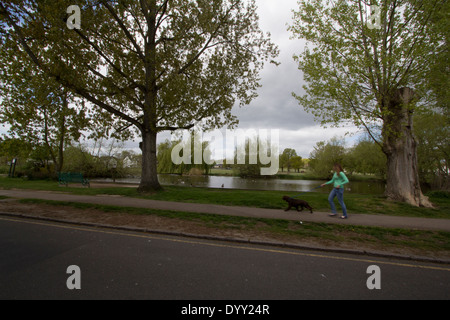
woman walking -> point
(338, 181)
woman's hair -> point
(337, 166)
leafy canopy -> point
(352, 71)
(155, 64)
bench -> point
(65, 177)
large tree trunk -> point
(149, 179)
(62, 134)
(400, 147)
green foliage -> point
(32, 159)
(247, 160)
(150, 66)
(351, 71)
(37, 108)
(325, 155)
(106, 163)
(432, 129)
(14, 148)
(287, 158)
(297, 163)
(166, 164)
(365, 157)
(439, 194)
(80, 160)
(372, 77)
(438, 80)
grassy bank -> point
(398, 240)
(356, 203)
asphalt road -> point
(34, 257)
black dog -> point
(297, 203)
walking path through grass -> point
(387, 221)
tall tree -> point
(325, 155)
(371, 75)
(247, 157)
(38, 109)
(297, 163)
(286, 158)
(192, 153)
(154, 65)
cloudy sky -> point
(275, 107)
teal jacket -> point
(338, 180)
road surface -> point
(35, 256)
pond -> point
(229, 182)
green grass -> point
(430, 241)
(356, 203)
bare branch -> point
(125, 30)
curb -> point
(235, 240)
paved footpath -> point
(355, 219)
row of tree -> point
(102, 160)
(290, 160)
(108, 159)
(246, 161)
(365, 157)
(167, 165)
(432, 131)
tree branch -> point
(82, 92)
(100, 52)
(125, 30)
(172, 128)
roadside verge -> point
(412, 223)
(361, 240)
